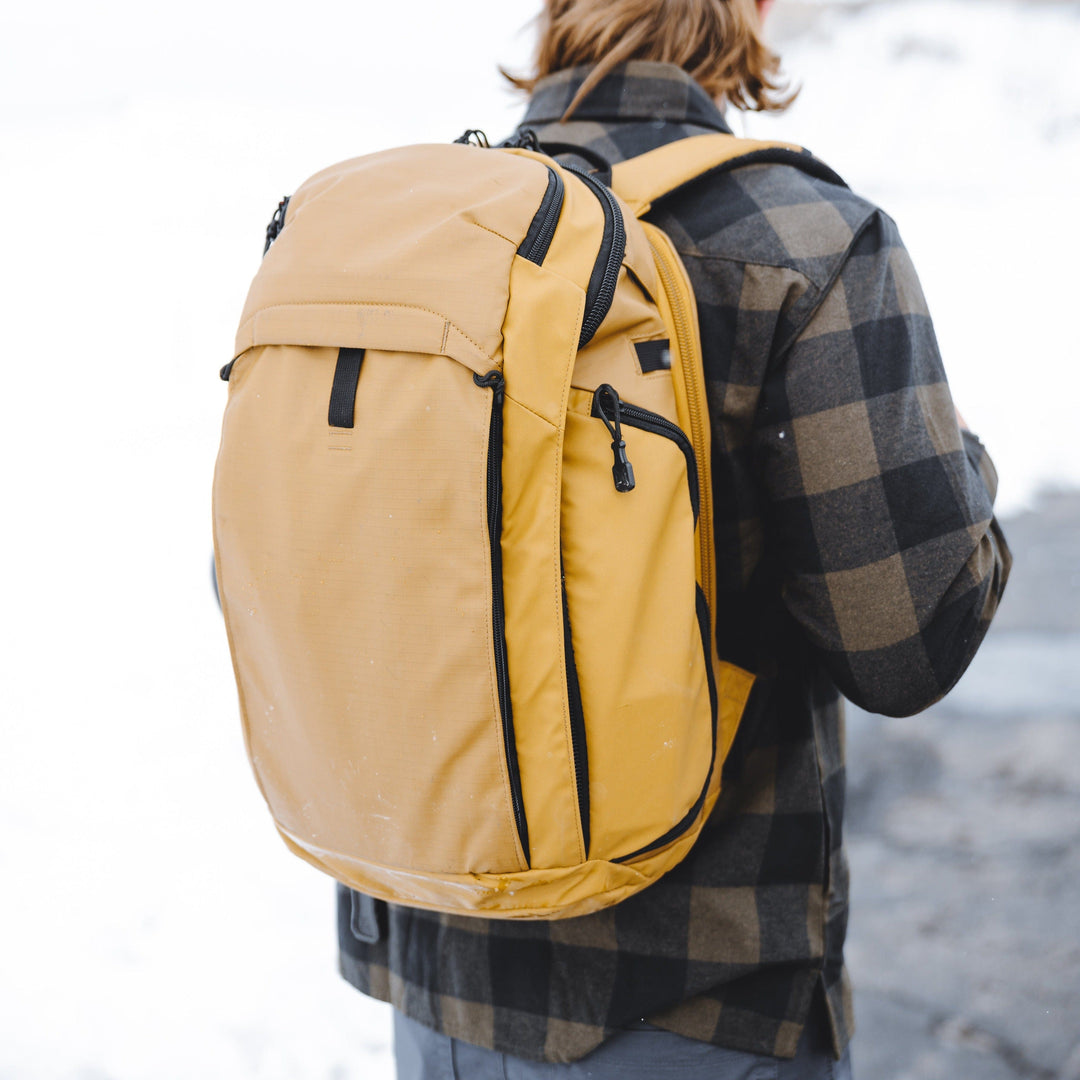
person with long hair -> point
(857, 553)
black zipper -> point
(538, 239)
(605, 275)
(494, 381)
(634, 416)
(691, 815)
(577, 723)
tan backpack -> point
(463, 530)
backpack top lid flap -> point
(417, 235)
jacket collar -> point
(638, 90)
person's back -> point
(856, 553)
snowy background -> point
(151, 924)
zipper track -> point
(542, 228)
(578, 743)
(497, 384)
(605, 275)
(644, 420)
(684, 336)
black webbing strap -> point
(653, 355)
(343, 393)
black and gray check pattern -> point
(857, 552)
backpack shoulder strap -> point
(641, 180)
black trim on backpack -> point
(605, 275)
(653, 355)
(542, 228)
(343, 394)
(577, 723)
(226, 371)
(494, 381)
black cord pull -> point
(621, 470)
(277, 223)
(473, 137)
(524, 139)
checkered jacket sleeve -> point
(882, 509)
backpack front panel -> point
(366, 639)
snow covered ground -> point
(151, 924)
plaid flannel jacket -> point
(856, 549)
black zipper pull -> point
(473, 137)
(277, 223)
(621, 470)
(525, 139)
(494, 381)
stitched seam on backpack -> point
(370, 304)
(532, 412)
(494, 233)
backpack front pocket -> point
(638, 628)
(360, 570)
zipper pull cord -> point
(277, 223)
(493, 381)
(473, 137)
(621, 470)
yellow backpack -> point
(463, 530)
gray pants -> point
(646, 1053)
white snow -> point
(151, 923)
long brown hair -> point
(718, 42)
